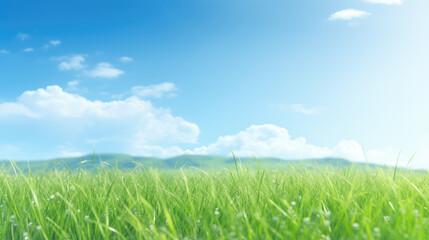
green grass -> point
(241, 203)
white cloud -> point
(105, 70)
(73, 86)
(267, 141)
(23, 36)
(28, 50)
(133, 122)
(74, 62)
(52, 43)
(348, 14)
(309, 111)
(157, 91)
(274, 141)
(388, 2)
(4, 51)
(11, 109)
(126, 59)
(55, 42)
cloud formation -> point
(348, 14)
(273, 141)
(157, 90)
(74, 62)
(4, 51)
(143, 129)
(388, 2)
(133, 122)
(105, 70)
(126, 59)
(52, 43)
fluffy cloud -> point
(105, 70)
(348, 14)
(74, 62)
(15, 109)
(274, 141)
(28, 50)
(265, 140)
(134, 122)
(126, 59)
(157, 91)
(136, 127)
(388, 2)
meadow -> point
(324, 202)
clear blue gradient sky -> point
(290, 79)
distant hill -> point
(126, 162)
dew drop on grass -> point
(307, 220)
(328, 213)
(327, 223)
(377, 232)
(388, 218)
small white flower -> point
(52, 196)
(12, 219)
(293, 203)
(86, 218)
(355, 226)
(30, 224)
(38, 228)
(216, 212)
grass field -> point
(240, 203)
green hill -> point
(126, 162)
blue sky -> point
(290, 79)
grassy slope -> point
(296, 203)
